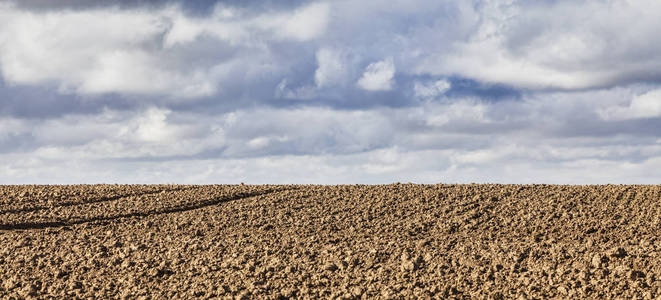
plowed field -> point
(389, 241)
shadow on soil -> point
(90, 201)
(201, 204)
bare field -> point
(388, 241)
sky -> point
(330, 92)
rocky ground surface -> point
(390, 241)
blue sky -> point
(330, 91)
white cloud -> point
(464, 111)
(259, 142)
(36, 47)
(143, 52)
(331, 68)
(378, 166)
(234, 26)
(378, 76)
(283, 91)
(264, 141)
(153, 127)
(332, 72)
(152, 132)
(647, 105)
(305, 23)
(553, 45)
(429, 90)
(528, 140)
(137, 72)
(166, 52)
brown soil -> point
(393, 241)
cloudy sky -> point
(342, 91)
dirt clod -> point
(330, 267)
(597, 261)
(618, 252)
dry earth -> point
(392, 241)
